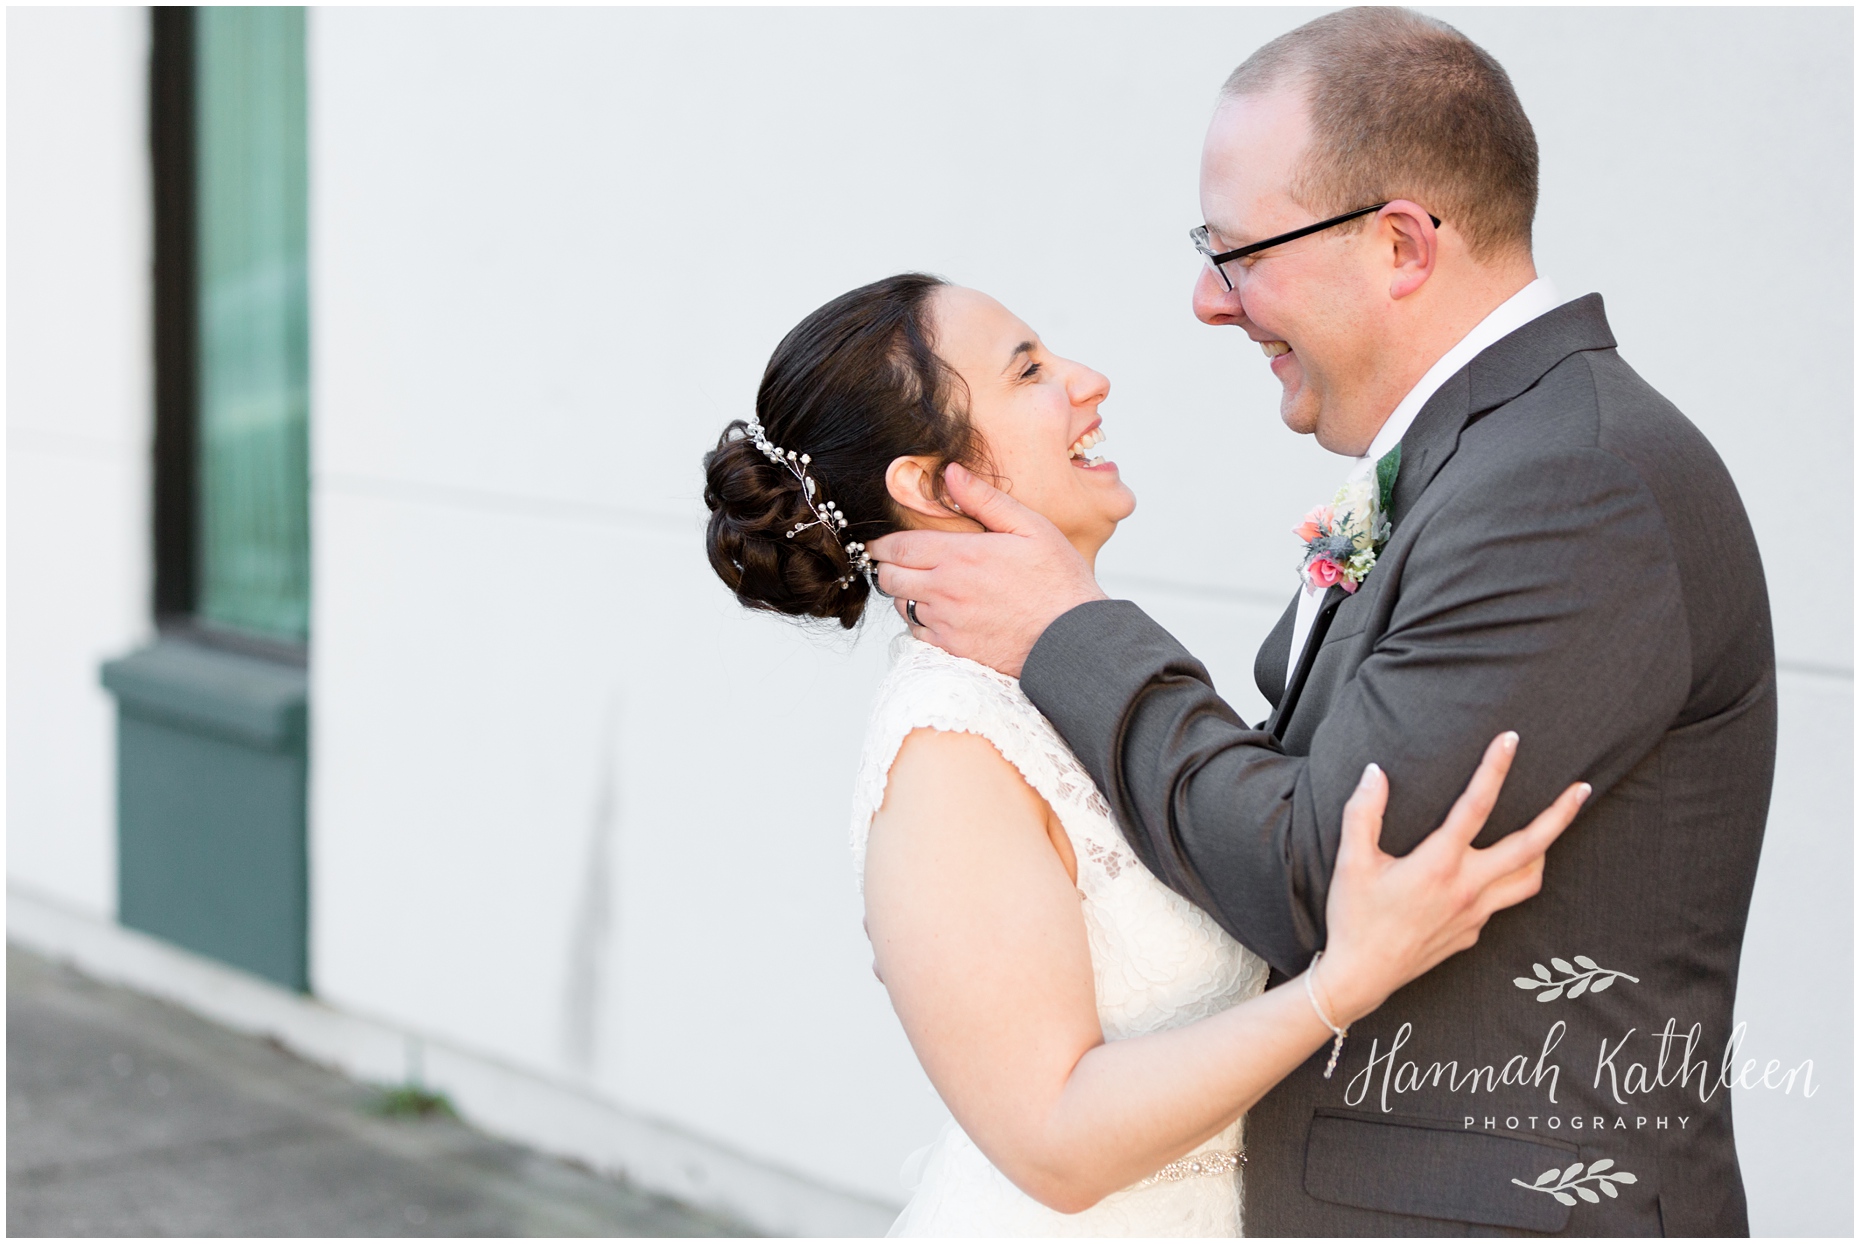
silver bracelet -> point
(1336, 1047)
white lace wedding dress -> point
(1158, 962)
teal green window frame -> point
(252, 276)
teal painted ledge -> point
(211, 778)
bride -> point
(1096, 1037)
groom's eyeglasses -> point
(1199, 236)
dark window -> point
(228, 138)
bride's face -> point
(1037, 415)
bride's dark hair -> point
(855, 385)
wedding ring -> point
(910, 611)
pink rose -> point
(1314, 524)
(1321, 572)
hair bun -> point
(754, 506)
(851, 389)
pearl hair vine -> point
(826, 513)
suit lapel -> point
(1429, 442)
(1269, 664)
(1320, 625)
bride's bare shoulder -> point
(953, 789)
(940, 770)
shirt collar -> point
(1507, 317)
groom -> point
(1566, 556)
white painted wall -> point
(77, 430)
(574, 810)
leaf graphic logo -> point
(1588, 977)
(1567, 1185)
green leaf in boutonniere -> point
(1343, 538)
(1387, 467)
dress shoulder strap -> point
(927, 687)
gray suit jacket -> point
(1570, 560)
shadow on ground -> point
(129, 1117)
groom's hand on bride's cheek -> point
(988, 596)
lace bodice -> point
(1157, 961)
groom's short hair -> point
(1405, 107)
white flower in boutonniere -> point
(1343, 538)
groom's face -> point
(1309, 303)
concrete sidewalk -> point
(127, 1116)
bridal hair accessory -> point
(826, 513)
(1336, 1047)
(1343, 538)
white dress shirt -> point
(1507, 317)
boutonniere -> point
(1343, 538)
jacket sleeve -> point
(1542, 598)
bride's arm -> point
(980, 940)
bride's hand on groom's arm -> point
(1392, 919)
(987, 596)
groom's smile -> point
(1283, 359)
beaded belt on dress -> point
(1220, 1162)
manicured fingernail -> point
(1369, 772)
(1509, 740)
(1582, 796)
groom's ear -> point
(911, 483)
(1414, 244)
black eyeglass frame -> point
(1199, 236)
